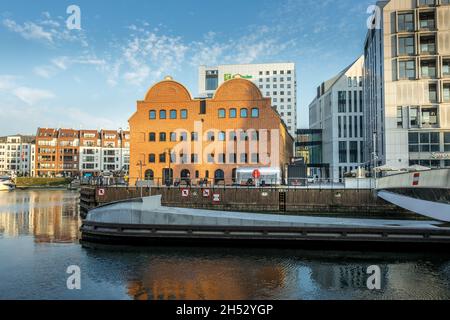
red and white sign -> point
(416, 179)
(256, 174)
(216, 197)
(101, 192)
(206, 193)
(185, 193)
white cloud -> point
(28, 30)
(31, 96)
(48, 30)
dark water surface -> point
(39, 240)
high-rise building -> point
(338, 111)
(407, 84)
(275, 80)
(17, 155)
(175, 137)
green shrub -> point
(41, 182)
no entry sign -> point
(185, 193)
(256, 174)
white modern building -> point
(275, 80)
(17, 155)
(338, 111)
(407, 84)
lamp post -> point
(170, 171)
(140, 164)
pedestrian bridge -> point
(426, 192)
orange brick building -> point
(205, 138)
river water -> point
(39, 241)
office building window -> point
(212, 80)
(429, 116)
(342, 151)
(399, 117)
(428, 69)
(446, 67)
(350, 127)
(428, 44)
(427, 20)
(162, 114)
(244, 113)
(152, 114)
(222, 113)
(353, 151)
(426, 3)
(349, 101)
(342, 101)
(173, 114)
(345, 127)
(184, 114)
(339, 127)
(414, 116)
(406, 46)
(447, 141)
(432, 92)
(446, 92)
(407, 69)
(405, 22)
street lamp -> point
(140, 164)
(170, 171)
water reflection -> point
(49, 216)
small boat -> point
(6, 184)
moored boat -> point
(6, 184)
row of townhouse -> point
(71, 153)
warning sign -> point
(206, 193)
(185, 193)
(416, 179)
(101, 192)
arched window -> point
(244, 113)
(149, 175)
(222, 113)
(162, 114)
(222, 136)
(255, 113)
(233, 113)
(184, 114)
(173, 114)
(185, 175)
(152, 114)
(219, 176)
(152, 137)
(210, 136)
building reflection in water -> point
(51, 216)
(205, 280)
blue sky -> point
(51, 76)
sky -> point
(53, 76)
